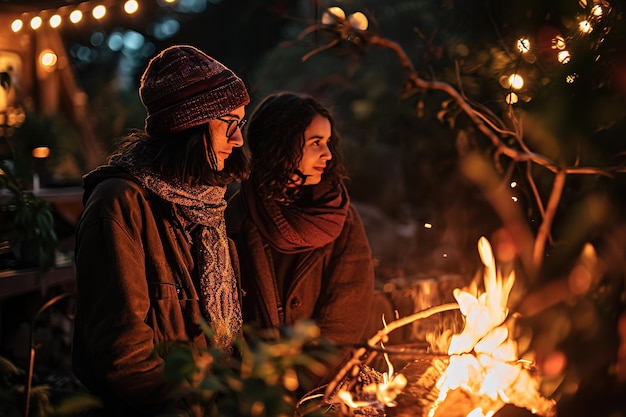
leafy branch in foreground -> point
(262, 379)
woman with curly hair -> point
(302, 248)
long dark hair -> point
(275, 138)
(184, 156)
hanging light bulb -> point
(35, 22)
(333, 15)
(76, 16)
(558, 42)
(512, 98)
(131, 6)
(516, 81)
(48, 60)
(358, 21)
(55, 21)
(597, 10)
(564, 57)
(99, 12)
(17, 25)
(585, 26)
(523, 45)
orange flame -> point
(483, 358)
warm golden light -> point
(35, 22)
(564, 57)
(516, 81)
(358, 21)
(484, 360)
(55, 21)
(523, 45)
(597, 10)
(558, 43)
(333, 14)
(512, 98)
(48, 59)
(17, 25)
(131, 6)
(76, 16)
(571, 78)
(41, 152)
(428, 226)
(99, 11)
(513, 184)
(585, 26)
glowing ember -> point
(378, 395)
(483, 358)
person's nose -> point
(236, 139)
(327, 155)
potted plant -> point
(32, 237)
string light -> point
(55, 21)
(99, 12)
(558, 42)
(564, 57)
(516, 81)
(74, 14)
(35, 22)
(17, 25)
(48, 60)
(523, 45)
(585, 26)
(358, 21)
(597, 10)
(332, 15)
(131, 6)
(512, 98)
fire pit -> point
(481, 375)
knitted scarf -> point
(306, 224)
(202, 205)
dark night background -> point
(402, 147)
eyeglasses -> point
(233, 125)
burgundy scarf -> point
(297, 227)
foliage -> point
(262, 380)
(55, 132)
(12, 396)
(469, 45)
(33, 222)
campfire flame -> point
(483, 357)
(378, 395)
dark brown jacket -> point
(135, 281)
(332, 285)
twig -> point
(380, 335)
(546, 224)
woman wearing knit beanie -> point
(152, 256)
(302, 248)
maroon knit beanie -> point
(183, 87)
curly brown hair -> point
(275, 139)
(182, 155)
